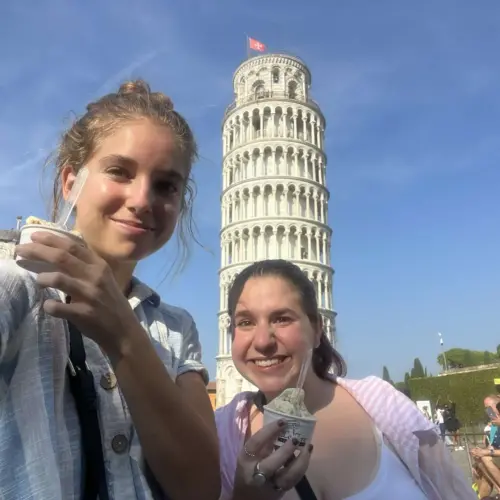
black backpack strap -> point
(81, 383)
(304, 490)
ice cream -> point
(32, 220)
(289, 406)
(34, 224)
(291, 402)
(35, 220)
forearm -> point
(176, 441)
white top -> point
(392, 480)
(439, 416)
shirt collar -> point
(139, 292)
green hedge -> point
(467, 390)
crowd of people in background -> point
(445, 417)
(486, 458)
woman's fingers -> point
(67, 284)
(287, 477)
(59, 257)
(263, 438)
(279, 458)
(76, 248)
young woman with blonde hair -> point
(102, 389)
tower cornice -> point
(275, 59)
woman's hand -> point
(480, 452)
(266, 474)
(98, 307)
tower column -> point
(286, 244)
(309, 244)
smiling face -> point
(272, 334)
(132, 199)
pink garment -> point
(413, 438)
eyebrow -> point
(119, 159)
(285, 310)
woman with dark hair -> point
(370, 441)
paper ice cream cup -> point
(300, 428)
(37, 266)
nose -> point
(140, 196)
(264, 340)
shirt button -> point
(119, 443)
(108, 381)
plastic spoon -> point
(306, 362)
(73, 196)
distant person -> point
(370, 440)
(486, 437)
(440, 421)
(487, 459)
(451, 423)
(426, 413)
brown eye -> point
(283, 319)
(243, 323)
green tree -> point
(407, 377)
(386, 376)
(468, 359)
(402, 387)
(498, 351)
(458, 358)
(487, 358)
(417, 370)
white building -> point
(274, 196)
(8, 241)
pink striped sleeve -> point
(232, 424)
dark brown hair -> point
(325, 357)
(133, 101)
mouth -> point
(269, 363)
(133, 226)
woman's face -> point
(131, 201)
(272, 334)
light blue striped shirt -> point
(40, 451)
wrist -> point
(126, 343)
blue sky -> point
(411, 95)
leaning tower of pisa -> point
(274, 195)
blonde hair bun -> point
(139, 88)
(134, 87)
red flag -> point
(256, 45)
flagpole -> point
(248, 47)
